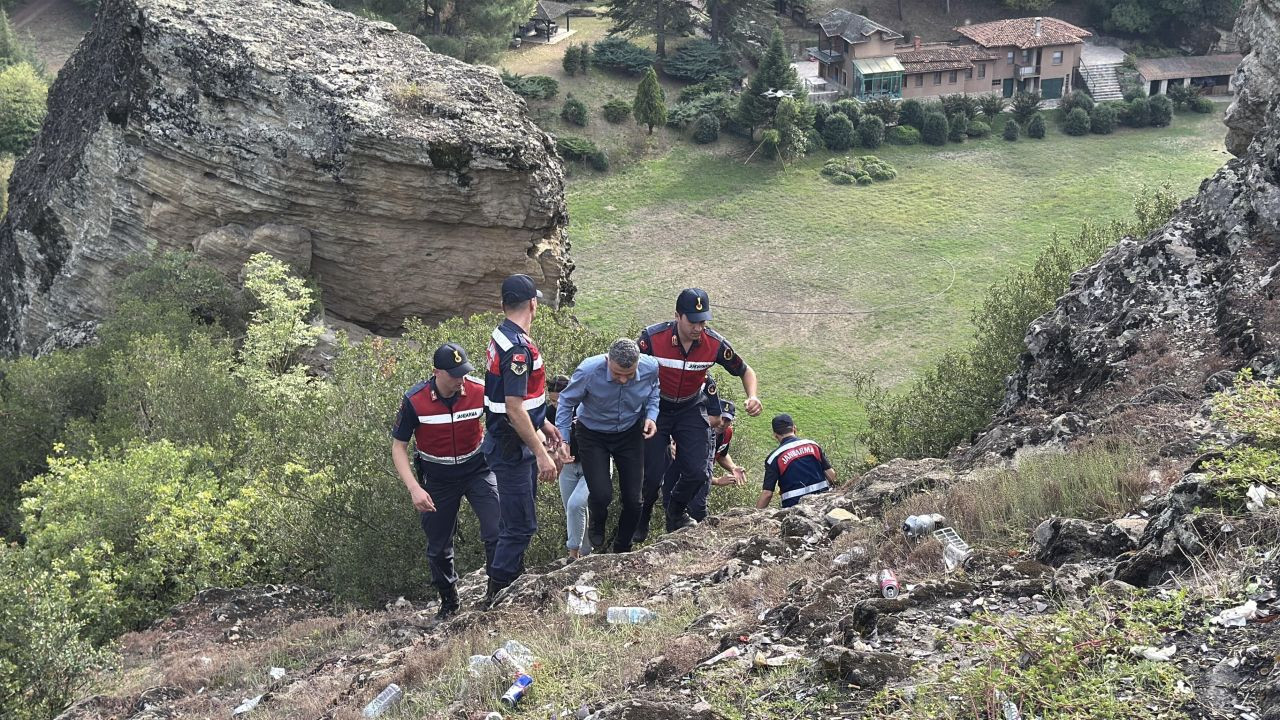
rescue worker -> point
(685, 349)
(517, 433)
(797, 468)
(442, 415)
(719, 433)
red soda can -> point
(888, 584)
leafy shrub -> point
(978, 129)
(1137, 113)
(862, 170)
(1182, 95)
(903, 135)
(1076, 123)
(850, 109)
(1202, 104)
(706, 129)
(717, 84)
(574, 111)
(821, 111)
(992, 105)
(911, 113)
(838, 133)
(936, 129)
(1025, 105)
(683, 114)
(1011, 130)
(863, 179)
(22, 107)
(534, 87)
(842, 179)
(961, 103)
(1102, 120)
(1076, 99)
(617, 110)
(582, 150)
(617, 53)
(871, 132)
(699, 61)
(1161, 111)
(1036, 128)
(572, 60)
(957, 127)
(885, 108)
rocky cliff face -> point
(406, 183)
(1166, 319)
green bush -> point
(863, 179)
(1161, 111)
(1137, 113)
(1102, 120)
(1025, 106)
(1202, 104)
(992, 105)
(978, 129)
(582, 150)
(534, 87)
(572, 60)
(1036, 128)
(885, 108)
(911, 113)
(1076, 123)
(617, 53)
(22, 107)
(850, 109)
(871, 132)
(699, 61)
(961, 103)
(1250, 409)
(936, 129)
(717, 84)
(903, 135)
(617, 110)
(1182, 95)
(1076, 99)
(574, 111)
(706, 129)
(1011, 130)
(957, 127)
(862, 170)
(838, 133)
(718, 104)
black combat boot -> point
(642, 528)
(492, 592)
(448, 602)
(678, 518)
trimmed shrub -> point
(686, 113)
(1202, 104)
(1137, 113)
(863, 179)
(618, 54)
(1102, 121)
(717, 84)
(862, 170)
(572, 60)
(1036, 128)
(992, 105)
(958, 124)
(1025, 105)
(838, 133)
(534, 87)
(936, 129)
(1076, 99)
(871, 132)
(911, 113)
(699, 61)
(1161, 110)
(582, 150)
(574, 111)
(850, 109)
(903, 135)
(1076, 123)
(885, 108)
(617, 110)
(1011, 130)
(959, 103)
(978, 129)
(706, 129)
(821, 111)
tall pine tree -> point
(774, 80)
(650, 107)
(729, 21)
(660, 18)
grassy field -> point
(817, 284)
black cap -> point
(452, 358)
(728, 409)
(783, 424)
(694, 304)
(518, 288)
(558, 383)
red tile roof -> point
(1021, 33)
(936, 57)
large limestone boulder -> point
(407, 183)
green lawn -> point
(900, 265)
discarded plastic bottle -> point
(388, 697)
(630, 615)
(507, 662)
(917, 526)
(518, 690)
(888, 584)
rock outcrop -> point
(1156, 317)
(406, 183)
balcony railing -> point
(1026, 71)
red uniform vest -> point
(449, 435)
(680, 375)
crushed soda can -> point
(888, 584)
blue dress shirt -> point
(604, 405)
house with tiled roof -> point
(855, 54)
(1037, 54)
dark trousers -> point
(481, 491)
(698, 505)
(689, 429)
(516, 471)
(626, 448)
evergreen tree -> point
(650, 106)
(12, 50)
(792, 122)
(911, 113)
(1036, 129)
(729, 21)
(775, 79)
(660, 18)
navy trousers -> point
(516, 471)
(698, 505)
(688, 427)
(481, 491)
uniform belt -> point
(448, 460)
(681, 401)
(820, 485)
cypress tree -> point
(650, 106)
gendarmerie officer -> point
(443, 416)
(685, 349)
(798, 467)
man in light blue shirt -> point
(610, 408)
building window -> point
(952, 79)
(1026, 57)
(937, 78)
(1057, 57)
(1010, 56)
(920, 80)
(968, 73)
(995, 83)
(982, 70)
